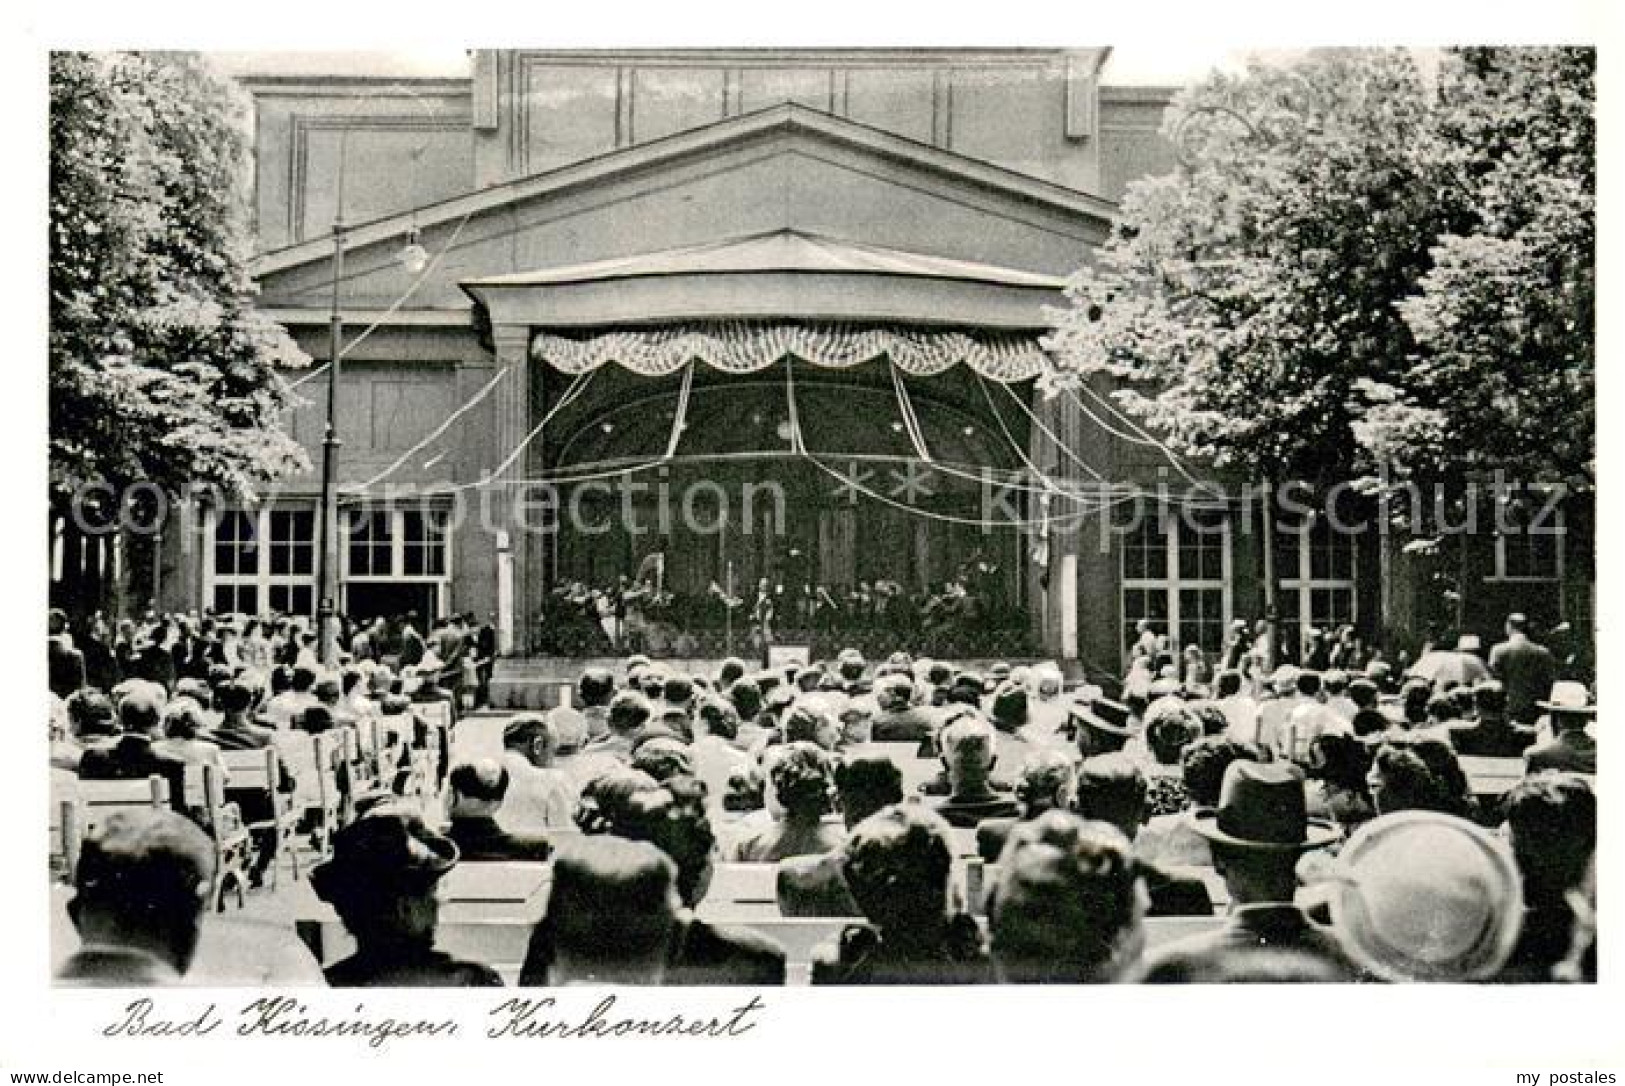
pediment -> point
(788, 168)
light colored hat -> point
(1568, 696)
(1427, 897)
(1284, 679)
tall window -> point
(1316, 567)
(1176, 575)
(396, 544)
(263, 559)
(1529, 542)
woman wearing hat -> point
(383, 882)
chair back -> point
(100, 799)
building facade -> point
(634, 280)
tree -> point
(1504, 374)
(1248, 295)
(161, 371)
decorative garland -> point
(747, 347)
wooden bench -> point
(258, 772)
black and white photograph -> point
(663, 518)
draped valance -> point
(741, 347)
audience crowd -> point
(1332, 804)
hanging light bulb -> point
(413, 256)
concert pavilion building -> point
(764, 313)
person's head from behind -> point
(1441, 708)
(1112, 789)
(1204, 763)
(673, 818)
(1308, 684)
(731, 671)
(716, 717)
(1363, 693)
(476, 789)
(628, 711)
(196, 689)
(142, 882)
(183, 719)
(1068, 905)
(679, 691)
(799, 781)
(1407, 776)
(303, 680)
(894, 693)
(746, 697)
(531, 736)
(1227, 684)
(1170, 727)
(1414, 698)
(1048, 782)
(596, 687)
(141, 712)
(866, 783)
(603, 797)
(383, 877)
(897, 864)
(1248, 965)
(663, 758)
(1490, 700)
(812, 719)
(1517, 623)
(90, 713)
(1341, 761)
(1551, 819)
(611, 911)
(1335, 683)
(969, 751)
(236, 699)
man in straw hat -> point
(1257, 833)
(1570, 750)
(1453, 918)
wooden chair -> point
(100, 799)
(65, 834)
(206, 794)
(256, 771)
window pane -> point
(1201, 545)
(1145, 551)
(235, 548)
(370, 544)
(1201, 618)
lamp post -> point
(327, 528)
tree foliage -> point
(1355, 266)
(160, 368)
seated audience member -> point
(1171, 839)
(629, 712)
(1112, 789)
(1048, 782)
(1068, 906)
(898, 864)
(969, 755)
(857, 720)
(1368, 719)
(1240, 709)
(237, 731)
(1336, 685)
(329, 693)
(900, 720)
(799, 787)
(746, 696)
(1337, 767)
(812, 719)
(611, 916)
(475, 792)
(603, 797)
(186, 735)
(673, 818)
(1551, 821)
(540, 795)
(1008, 714)
(140, 890)
(594, 691)
(316, 720)
(383, 880)
(747, 790)
(286, 707)
(731, 671)
(1101, 726)
(1170, 726)
(1570, 750)
(1424, 896)
(1258, 832)
(1417, 775)
(134, 754)
(715, 752)
(815, 885)
(663, 758)
(1491, 734)
(90, 722)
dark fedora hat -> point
(1103, 715)
(387, 852)
(1262, 806)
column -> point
(512, 422)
